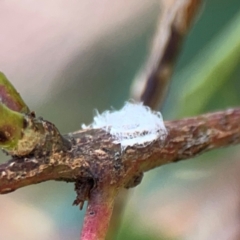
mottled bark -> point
(91, 155)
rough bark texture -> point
(93, 157)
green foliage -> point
(12, 110)
(11, 125)
(10, 97)
(211, 70)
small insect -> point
(134, 124)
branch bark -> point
(94, 155)
(98, 214)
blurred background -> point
(67, 58)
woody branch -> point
(186, 138)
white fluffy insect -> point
(133, 125)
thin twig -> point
(152, 83)
(98, 214)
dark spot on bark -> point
(6, 133)
(32, 114)
(135, 180)
(117, 165)
(117, 155)
(66, 143)
(23, 174)
(82, 188)
(105, 149)
(25, 123)
(92, 213)
(3, 137)
(46, 160)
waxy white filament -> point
(133, 125)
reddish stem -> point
(98, 214)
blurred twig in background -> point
(175, 20)
(151, 85)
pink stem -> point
(98, 214)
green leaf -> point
(10, 97)
(210, 71)
(11, 126)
